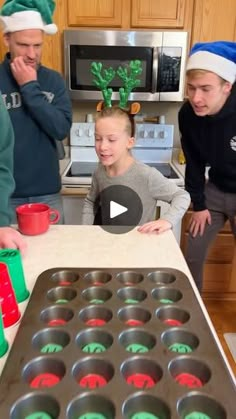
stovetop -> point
(153, 146)
(86, 169)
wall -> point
(169, 109)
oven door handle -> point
(155, 69)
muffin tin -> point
(115, 343)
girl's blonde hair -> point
(119, 113)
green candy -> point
(136, 348)
(51, 348)
(180, 347)
(144, 415)
(38, 415)
(166, 301)
(94, 347)
(96, 301)
(131, 301)
(197, 415)
(92, 416)
(61, 301)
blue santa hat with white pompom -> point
(219, 57)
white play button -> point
(120, 209)
(116, 209)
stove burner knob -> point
(79, 132)
(155, 134)
(163, 134)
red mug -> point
(35, 219)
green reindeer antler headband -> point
(128, 75)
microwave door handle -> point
(154, 70)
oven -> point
(154, 146)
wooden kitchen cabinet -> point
(170, 14)
(161, 13)
(53, 44)
(220, 267)
(214, 20)
(96, 13)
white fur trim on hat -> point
(21, 21)
(204, 60)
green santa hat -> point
(19, 15)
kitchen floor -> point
(223, 317)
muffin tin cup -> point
(65, 277)
(132, 295)
(189, 372)
(50, 340)
(141, 372)
(141, 405)
(99, 277)
(56, 316)
(61, 295)
(96, 295)
(46, 406)
(166, 295)
(180, 340)
(92, 341)
(137, 340)
(92, 373)
(114, 344)
(43, 372)
(91, 406)
(201, 403)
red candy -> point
(56, 322)
(188, 380)
(134, 322)
(95, 322)
(93, 381)
(45, 380)
(140, 380)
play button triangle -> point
(116, 209)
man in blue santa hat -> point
(37, 101)
(207, 123)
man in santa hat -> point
(207, 123)
(37, 101)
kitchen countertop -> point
(92, 247)
(178, 166)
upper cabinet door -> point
(159, 13)
(95, 13)
(214, 20)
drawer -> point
(217, 277)
(222, 250)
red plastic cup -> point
(3, 341)
(36, 218)
(10, 310)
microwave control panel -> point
(147, 135)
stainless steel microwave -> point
(162, 54)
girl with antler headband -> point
(114, 139)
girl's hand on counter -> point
(12, 239)
(157, 226)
